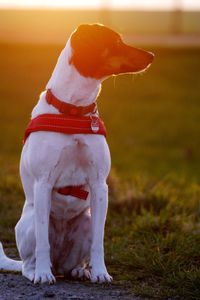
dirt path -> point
(15, 286)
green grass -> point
(153, 237)
(153, 226)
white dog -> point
(56, 233)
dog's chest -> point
(75, 163)
(66, 160)
(72, 169)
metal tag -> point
(95, 124)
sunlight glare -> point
(94, 4)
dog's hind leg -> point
(70, 245)
(81, 272)
(82, 238)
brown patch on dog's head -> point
(98, 51)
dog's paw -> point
(80, 273)
(100, 276)
(44, 276)
(29, 274)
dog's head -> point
(99, 52)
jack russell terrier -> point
(65, 162)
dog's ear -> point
(89, 44)
(85, 52)
(84, 37)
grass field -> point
(153, 227)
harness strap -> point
(75, 191)
(67, 108)
(64, 124)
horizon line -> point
(97, 7)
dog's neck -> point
(68, 85)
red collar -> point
(69, 109)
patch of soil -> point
(15, 286)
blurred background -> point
(139, 21)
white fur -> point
(52, 160)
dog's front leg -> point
(42, 205)
(99, 204)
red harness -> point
(73, 122)
(65, 124)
